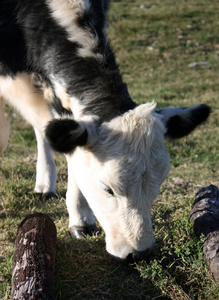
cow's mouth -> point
(136, 256)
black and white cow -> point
(57, 69)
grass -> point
(155, 47)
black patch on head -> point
(179, 126)
(65, 135)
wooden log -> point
(211, 254)
(34, 259)
(205, 219)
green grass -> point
(154, 47)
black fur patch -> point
(93, 21)
(12, 44)
(64, 135)
(38, 44)
(179, 126)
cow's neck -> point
(74, 53)
(89, 86)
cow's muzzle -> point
(139, 255)
(136, 256)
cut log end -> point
(34, 259)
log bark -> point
(34, 259)
(205, 219)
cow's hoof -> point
(92, 230)
(78, 231)
(82, 231)
(47, 196)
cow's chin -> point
(126, 253)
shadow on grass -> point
(84, 270)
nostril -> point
(135, 256)
(129, 258)
(141, 255)
(128, 254)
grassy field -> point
(168, 51)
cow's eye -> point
(109, 191)
(106, 188)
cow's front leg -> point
(46, 175)
(81, 218)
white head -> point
(119, 168)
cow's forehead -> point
(125, 149)
(134, 132)
(124, 174)
(130, 156)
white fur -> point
(21, 93)
(46, 175)
(65, 13)
(134, 176)
(79, 211)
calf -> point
(57, 69)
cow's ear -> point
(64, 135)
(180, 121)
